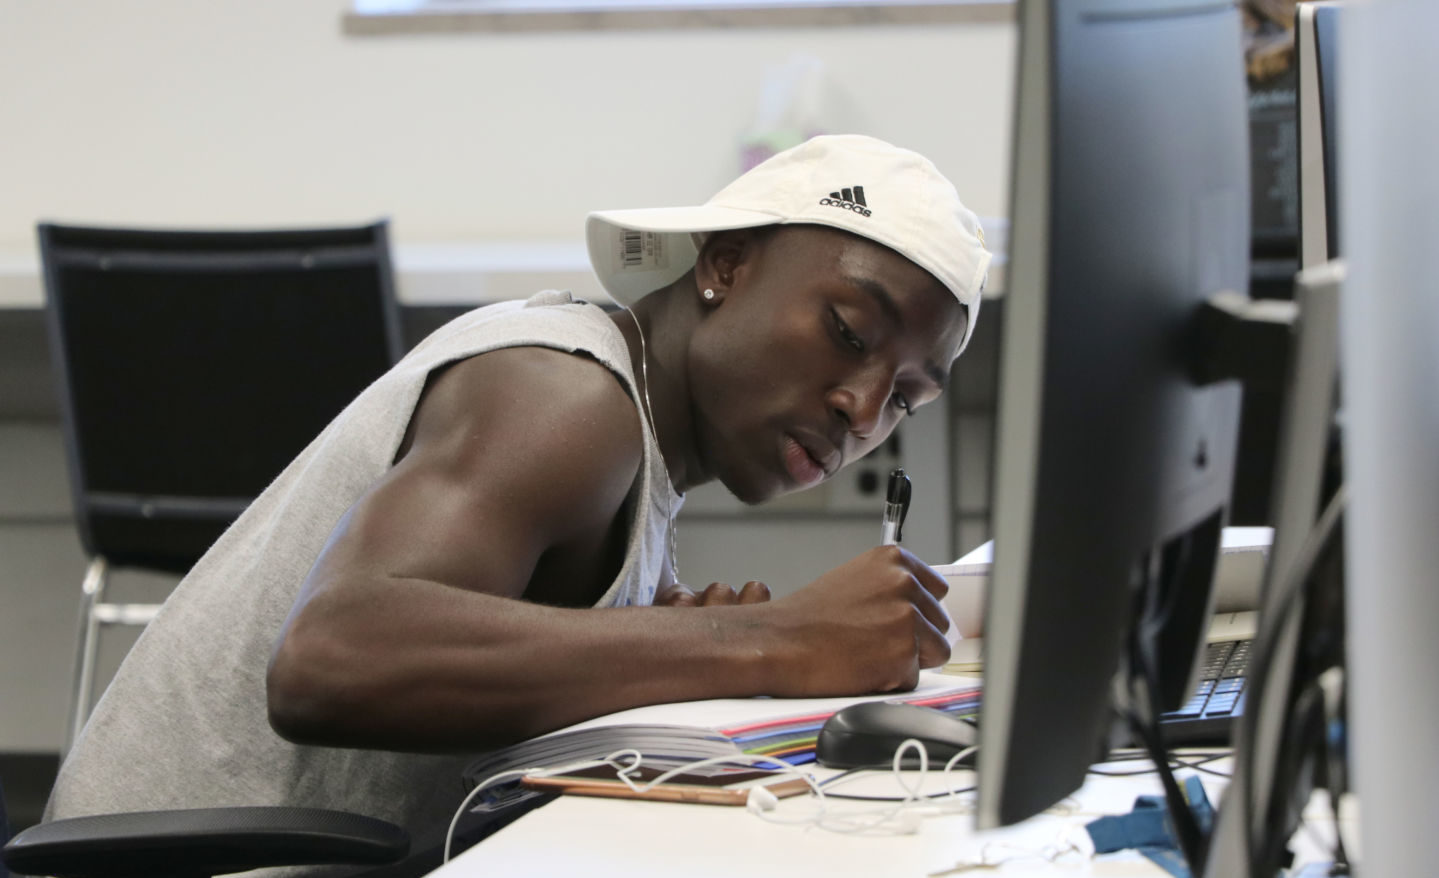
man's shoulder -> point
(538, 380)
(552, 436)
(534, 408)
(551, 319)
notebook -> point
(1243, 552)
(671, 735)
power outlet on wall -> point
(861, 486)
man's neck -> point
(668, 318)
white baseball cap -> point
(892, 196)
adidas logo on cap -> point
(848, 199)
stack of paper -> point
(1243, 552)
(670, 735)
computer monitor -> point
(1311, 170)
(1316, 37)
(1130, 209)
(1390, 187)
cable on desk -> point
(1260, 828)
(901, 817)
(1142, 684)
(942, 794)
(1174, 762)
(903, 814)
(625, 762)
(850, 774)
(1341, 855)
(516, 774)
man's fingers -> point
(676, 595)
(929, 606)
(927, 576)
(718, 594)
(931, 644)
(754, 593)
(931, 590)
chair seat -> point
(203, 842)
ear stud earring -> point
(709, 295)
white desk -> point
(600, 838)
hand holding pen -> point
(896, 507)
(885, 606)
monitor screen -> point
(1130, 209)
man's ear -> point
(719, 258)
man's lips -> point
(808, 461)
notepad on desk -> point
(1242, 555)
(671, 735)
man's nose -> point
(860, 406)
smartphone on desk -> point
(729, 789)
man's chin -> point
(759, 492)
(752, 483)
(751, 496)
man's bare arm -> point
(410, 632)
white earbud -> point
(760, 800)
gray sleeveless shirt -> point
(184, 723)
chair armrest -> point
(202, 842)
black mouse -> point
(866, 736)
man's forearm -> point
(417, 666)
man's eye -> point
(846, 333)
(901, 402)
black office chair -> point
(193, 366)
(201, 843)
(4, 833)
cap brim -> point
(627, 273)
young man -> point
(479, 549)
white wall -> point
(260, 112)
(234, 112)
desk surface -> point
(608, 838)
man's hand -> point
(869, 625)
(717, 594)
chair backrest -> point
(4, 832)
(193, 366)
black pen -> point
(896, 507)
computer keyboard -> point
(1208, 716)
